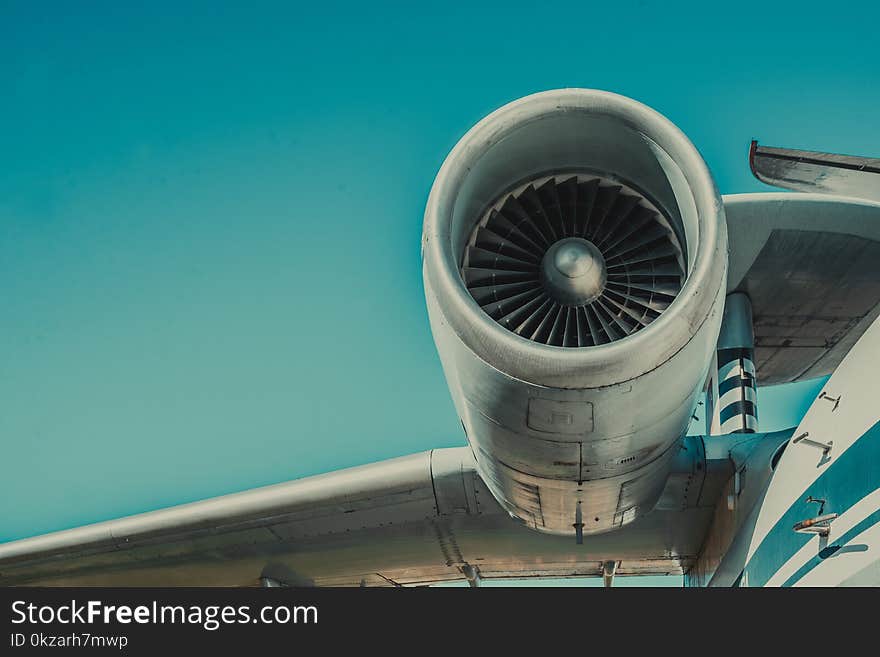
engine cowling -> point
(575, 261)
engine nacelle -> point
(575, 262)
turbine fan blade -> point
(503, 264)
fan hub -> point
(574, 272)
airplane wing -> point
(809, 265)
(810, 171)
(807, 262)
(413, 520)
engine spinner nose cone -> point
(574, 272)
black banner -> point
(146, 621)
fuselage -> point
(818, 521)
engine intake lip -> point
(457, 193)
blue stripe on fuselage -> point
(848, 479)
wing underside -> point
(809, 265)
(415, 520)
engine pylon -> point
(732, 396)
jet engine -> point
(575, 262)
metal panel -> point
(809, 289)
(566, 417)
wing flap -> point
(812, 171)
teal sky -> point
(210, 215)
